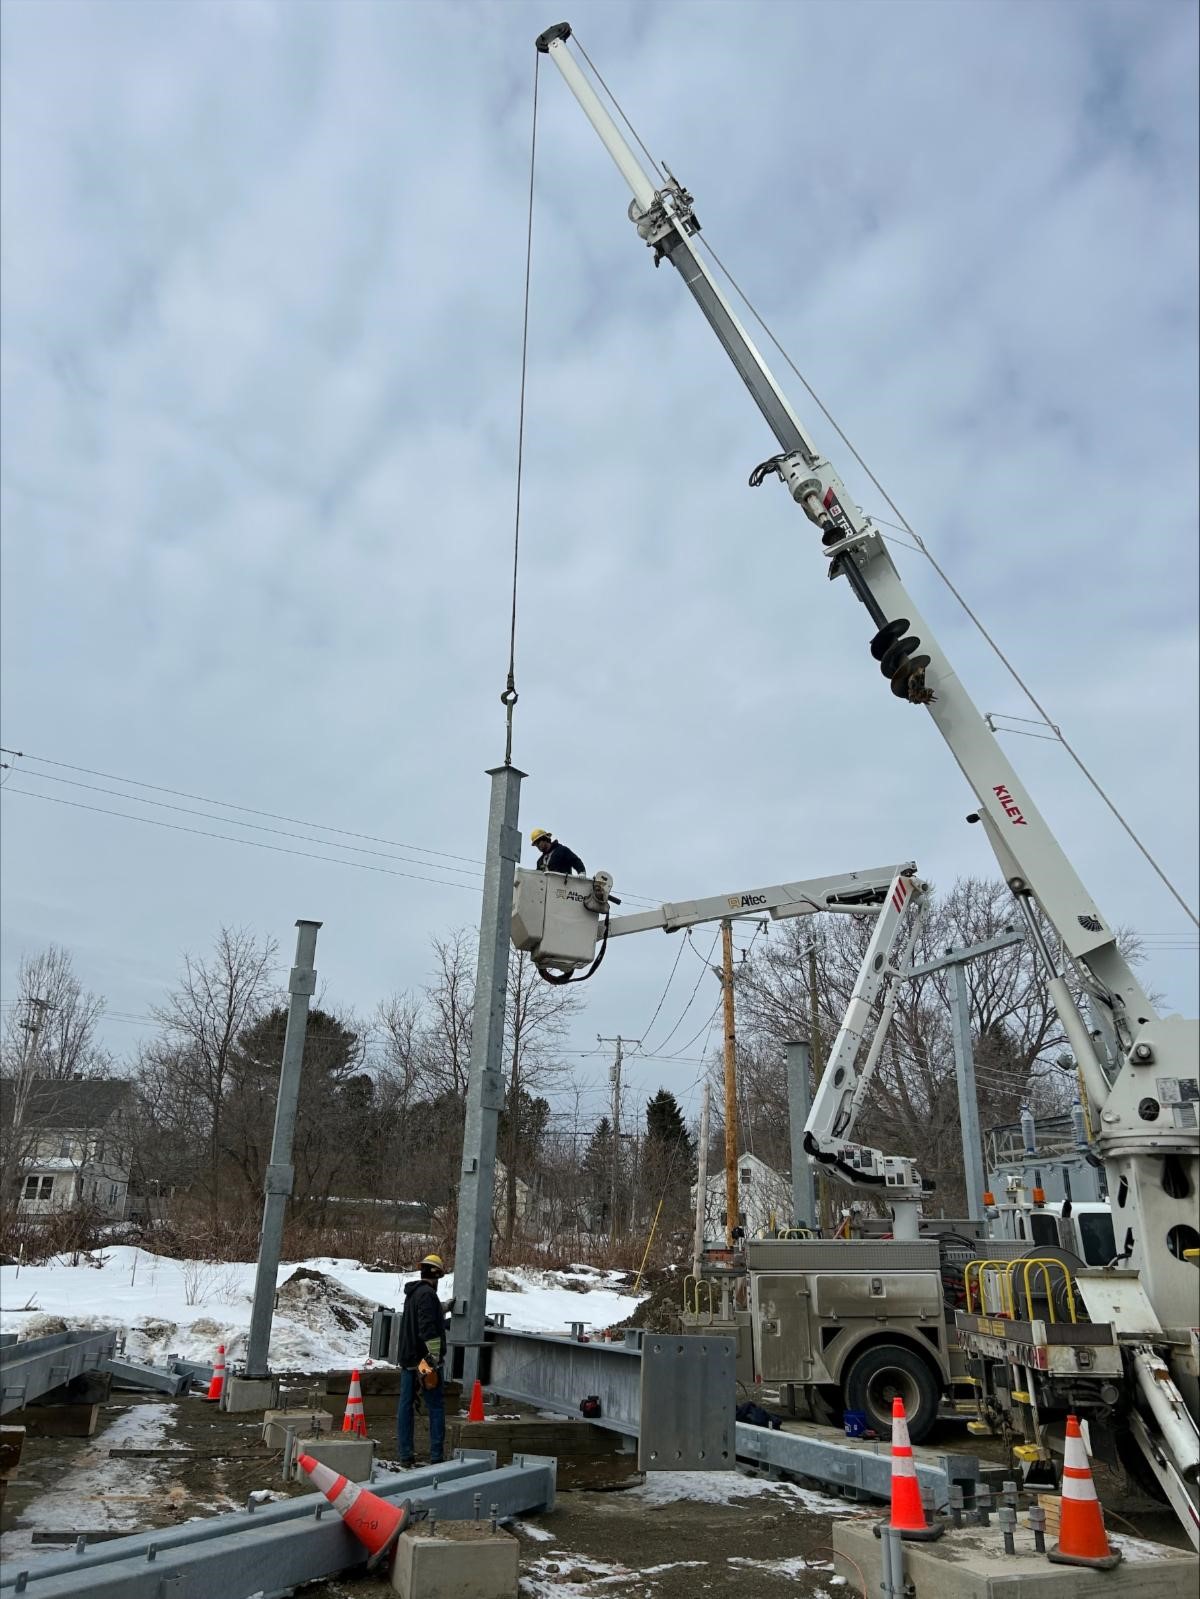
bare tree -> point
(215, 1001)
(913, 1104)
(535, 1023)
(445, 1034)
(49, 1037)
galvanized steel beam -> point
(32, 1369)
(140, 1374)
(845, 1465)
(557, 1373)
(270, 1556)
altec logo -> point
(741, 903)
(1009, 806)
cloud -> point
(261, 336)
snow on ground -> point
(571, 1576)
(189, 1307)
(97, 1492)
(726, 1487)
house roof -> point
(78, 1105)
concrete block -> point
(250, 1393)
(57, 1421)
(341, 1452)
(459, 1560)
(278, 1423)
(970, 1563)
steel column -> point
(485, 1088)
(278, 1185)
(804, 1199)
(270, 1558)
(136, 1545)
(968, 1098)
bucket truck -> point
(1139, 1067)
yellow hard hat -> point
(436, 1262)
(539, 832)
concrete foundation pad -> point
(345, 1453)
(57, 1421)
(278, 1423)
(970, 1563)
(459, 1560)
(250, 1393)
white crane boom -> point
(1141, 1070)
(559, 920)
(1030, 857)
(855, 1054)
(854, 892)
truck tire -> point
(878, 1375)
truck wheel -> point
(878, 1376)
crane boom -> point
(1140, 1069)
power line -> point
(258, 827)
(249, 810)
(692, 999)
(231, 838)
(204, 799)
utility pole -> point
(825, 1212)
(804, 1211)
(302, 985)
(614, 1073)
(701, 1185)
(485, 1084)
(731, 1121)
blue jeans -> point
(435, 1404)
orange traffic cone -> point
(217, 1386)
(908, 1513)
(373, 1521)
(355, 1419)
(476, 1411)
(1082, 1540)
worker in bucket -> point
(422, 1347)
(553, 856)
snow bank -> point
(189, 1307)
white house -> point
(764, 1197)
(67, 1141)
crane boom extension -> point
(1142, 1079)
(855, 892)
(844, 1082)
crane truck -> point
(1135, 1365)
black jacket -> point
(422, 1320)
(558, 858)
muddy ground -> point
(157, 1462)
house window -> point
(112, 1194)
(31, 1188)
(39, 1187)
(744, 1174)
(64, 1149)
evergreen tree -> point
(666, 1127)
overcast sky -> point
(262, 270)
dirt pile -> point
(659, 1311)
(315, 1300)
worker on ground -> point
(553, 856)
(421, 1349)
